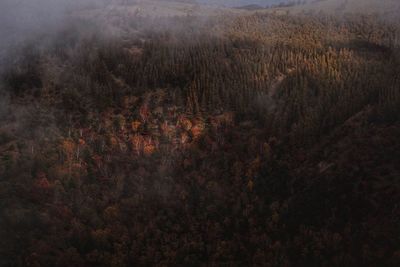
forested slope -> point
(385, 9)
(252, 140)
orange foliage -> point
(166, 129)
(68, 147)
(197, 132)
(185, 123)
(144, 112)
(43, 183)
(225, 119)
(198, 129)
(184, 138)
(113, 141)
(135, 125)
(149, 147)
(137, 143)
(82, 142)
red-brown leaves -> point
(137, 143)
(185, 123)
(42, 182)
(149, 146)
(135, 125)
(144, 112)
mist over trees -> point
(237, 3)
(239, 139)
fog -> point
(21, 18)
(23, 22)
(237, 3)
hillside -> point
(117, 19)
(155, 8)
(239, 3)
(385, 8)
(165, 133)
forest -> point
(258, 139)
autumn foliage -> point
(272, 144)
